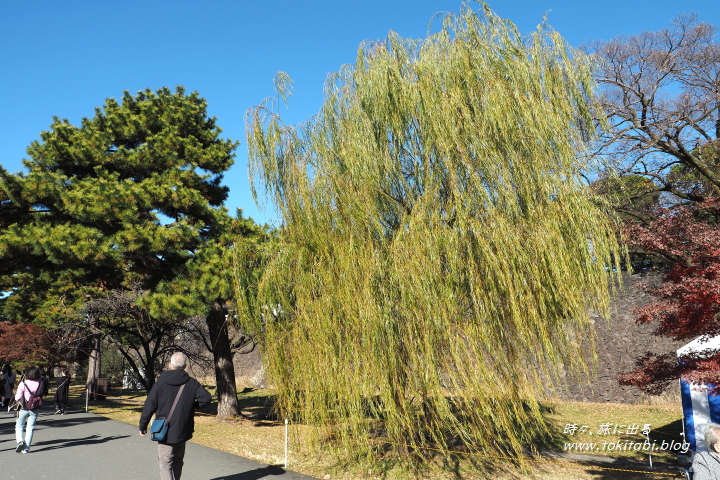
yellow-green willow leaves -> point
(439, 254)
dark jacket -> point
(160, 400)
(61, 392)
(45, 385)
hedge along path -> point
(438, 253)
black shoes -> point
(21, 448)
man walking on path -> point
(182, 423)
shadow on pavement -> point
(50, 421)
(74, 442)
(254, 474)
(65, 443)
(69, 419)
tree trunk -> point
(93, 367)
(222, 356)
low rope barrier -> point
(679, 435)
(141, 402)
(515, 459)
(457, 452)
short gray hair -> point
(178, 360)
(712, 436)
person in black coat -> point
(9, 381)
(159, 401)
(45, 382)
(61, 392)
(2, 389)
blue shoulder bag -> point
(159, 426)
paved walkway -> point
(86, 446)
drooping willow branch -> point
(439, 253)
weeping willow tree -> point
(438, 254)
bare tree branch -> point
(661, 97)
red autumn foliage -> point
(687, 302)
(23, 343)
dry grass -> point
(663, 419)
(261, 438)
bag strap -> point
(32, 394)
(177, 397)
(22, 399)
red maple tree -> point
(24, 343)
(687, 302)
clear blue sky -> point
(66, 57)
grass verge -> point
(260, 437)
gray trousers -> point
(170, 456)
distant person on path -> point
(25, 424)
(9, 380)
(45, 382)
(182, 423)
(706, 465)
(61, 392)
(3, 395)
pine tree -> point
(122, 202)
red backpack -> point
(34, 402)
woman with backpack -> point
(28, 394)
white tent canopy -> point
(699, 408)
(700, 344)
